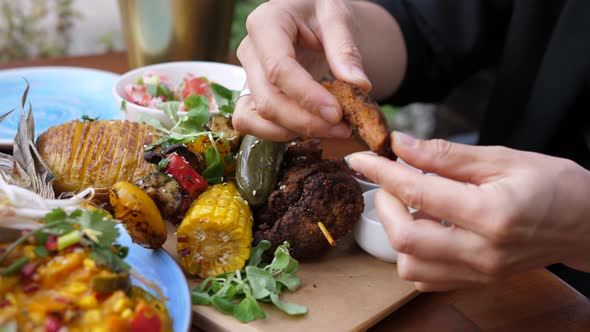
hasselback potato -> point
(97, 153)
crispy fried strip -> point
(363, 113)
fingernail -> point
(354, 159)
(403, 139)
(360, 75)
(340, 131)
(330, 114)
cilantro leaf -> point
(104, 228)
(163, 163)
(197, 117)
(152, 122)
(170, 108)
(98, 230)
(86, 118)
(214, 172)
(225, 98)
(106, 257)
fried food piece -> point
(96, 154)
(364, 114)
(310, 190)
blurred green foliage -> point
(25, 30)
(238, 29)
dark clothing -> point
(541, 53)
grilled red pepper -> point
(188, 178)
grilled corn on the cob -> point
(96, 153)
(216, 233)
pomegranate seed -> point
(61, 299)
(101, 296)
(30, 288)
(71, 248)
(28, 270)
(52, 324)
(4, 303)
(51, 243)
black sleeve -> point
(447, 41)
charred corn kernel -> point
(139, 213)
(89, 264)
(92, 316)
(87, 302)
(77, 288)
(120, 305)
(200, 145)
(216, 233)
(127, 313)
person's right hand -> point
(289, 47)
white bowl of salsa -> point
(143, 92)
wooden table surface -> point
(532, 301)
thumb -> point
(337, 38)
(456, 161)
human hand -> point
(510, 211)
(289, 47)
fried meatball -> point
(309, 192)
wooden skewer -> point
(326, 234)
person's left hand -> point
(510, 211)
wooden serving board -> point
(346, 290)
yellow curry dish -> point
(67, 275)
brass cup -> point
(176, 30)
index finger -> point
(274, 32)
(447, 199)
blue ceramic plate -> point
(158, 267)
(58, 95)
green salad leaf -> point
(225, 99)
(213, 174)
(239, 293)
